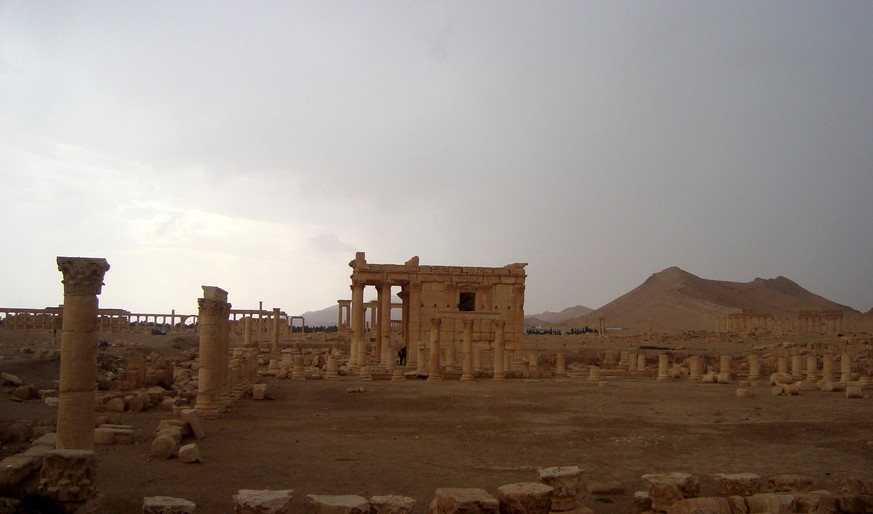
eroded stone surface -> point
(262, 501)
(337, 504)
(525, 498)
(167, 505)
(463, 501)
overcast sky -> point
(257, 146)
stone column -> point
(467, 371)
(663, 365)
(811, 368)
(212, 307)
(434, 361)
(696, 369)
(247, 332)
(797, 367)
(499, 350)
(827, 367)
(358, 355)
(450, 356)
(782, 364)
(641, 362)
(846, 367)
(754, 367)
(83, 281)
(561, 365)
(632, 363)
(601, 321)
(724, 369)
(274, 335)
(386, 357)
(477, 359)
(414, 330)
(224, 342)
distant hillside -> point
(327, 317)
(675, 300)
(556, 317)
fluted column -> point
(83, 281)
(499, 373)
(467, 368)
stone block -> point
(68, 475)
(852, 504)
(391, 505)
(116, 405)
(565, 480)
(463, 501)
(665, 489)
(190, 416)
(789, 482)
(738, 505)
(771, 502)
(337, 504)
(262, 501)
(739, 484)
(189, 453)
(259, 391)
(642, 501)
(711, 505)
(104, 436)
(163, 447)
(167, 505)
(605, 488)
(15, 469)
(818, 502)
(525, 498)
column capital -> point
(82, 275)
(499, 323)
(468, 322)
(212, 307)
(436, 322)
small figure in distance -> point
(401, 354)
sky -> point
(258, 146)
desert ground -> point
(411, 437)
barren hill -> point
(675, 300)
(558, 317)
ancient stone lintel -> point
(82, 275)
(68, 475)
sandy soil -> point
(411, 437)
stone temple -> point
(444, 309)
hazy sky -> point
(257, 146)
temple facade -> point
(439, 303)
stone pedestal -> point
(463, 501)
(253, 501)
(68, 476)
(525, 498)
(83, 281)
(565, 481)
